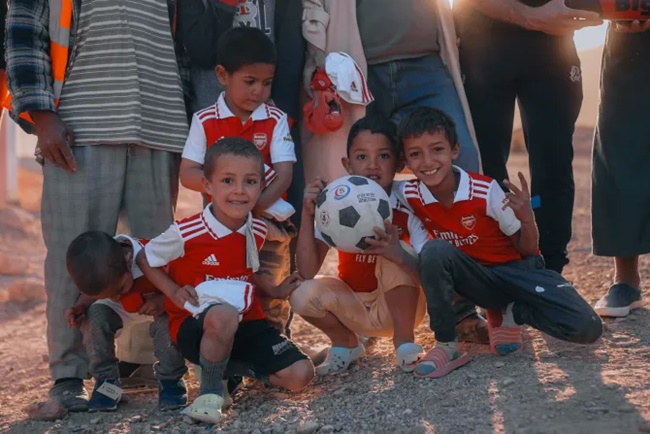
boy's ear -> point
(455, 151)
(222, 75)
(207, 185)
(345, 161)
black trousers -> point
(542, 73)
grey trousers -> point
(110, 178)
(542, 298)
(99, 329)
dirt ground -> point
(551, 387)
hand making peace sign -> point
(519, 200)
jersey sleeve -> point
(196, 143)
(418, 235)
(398, 191)
(165, 248)
(282, 147)
(496, 199)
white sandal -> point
(338, 359)
(206, 408)
(407, 356)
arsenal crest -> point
(469, 222)
(259, 139)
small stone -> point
(499, 365)
(547, 355)
(627, 408)
(95, 420)
(280, 395)
(338, 392)
(24, 290)
(597, 409)
(644, 426)
(326, 429)
(308, 427)
(12, 266)
(508, 382)
(407, 412)
(49, 411)
(472, 376)
(136, 419)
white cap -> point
(348, 78)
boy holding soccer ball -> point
(376, 293)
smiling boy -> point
(484, 246)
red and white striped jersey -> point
(358, 269)
(267, 128)
(476, 222)
(133, 300)
(200, 248)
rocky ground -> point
(551, 387)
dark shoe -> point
(106, 396)
(172, 395)
(473, 329)
(620, 299)
(71, 394)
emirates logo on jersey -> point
(260, 139)
(469, 222)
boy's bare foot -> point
(473, 328)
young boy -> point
(115, 295)
(484, 246)
(376, 293)
(222, 243)
(246, 67)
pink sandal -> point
(503, 340)
(443, 365)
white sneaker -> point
(206, 408)
(407, 355)
(338, 359)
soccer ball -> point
(348, 209)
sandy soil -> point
(551, 387)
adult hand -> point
(555, 18)
(635, 26)
(75, 316)
(311, 195)
(55, 139)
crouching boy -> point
(222, 244)
(115, 295)
(484, 246)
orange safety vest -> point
(59, 30)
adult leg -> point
(550, 97)
(72, 203)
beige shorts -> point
(364, 313)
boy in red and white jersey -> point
(222, 244)
(376, 293)
(247, 60)
(484, 246)
(115, 295)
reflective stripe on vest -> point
(59, 30)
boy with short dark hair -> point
(484, 246)
(377, 292)
(246, 68)
(115, 295)
(220, 246)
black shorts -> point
(256, 343)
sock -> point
(501, 317)
(62, 380)
(451, 348)
(508, 317)
(212, 376)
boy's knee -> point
(301, 298)
(98, 316)
(221, 319)
(297, 376)
(436, 249)
(588, 330)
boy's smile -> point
(371, 155)
(430, 158)
(235, 186)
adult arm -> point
(553, 18)
(310, 252)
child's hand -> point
(184, 294)
(386, 242)
(288, 285)
(153, 306)
(75, 316)
(519, 200)
(311, 195)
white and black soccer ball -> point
(348, 209)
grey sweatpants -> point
(99, 329)
(542, 298)
(110, 178)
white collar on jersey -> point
(136, 246)
(462, 193)
(216, 227)
(222, 111)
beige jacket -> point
(331, 25)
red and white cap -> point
(348, 78)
